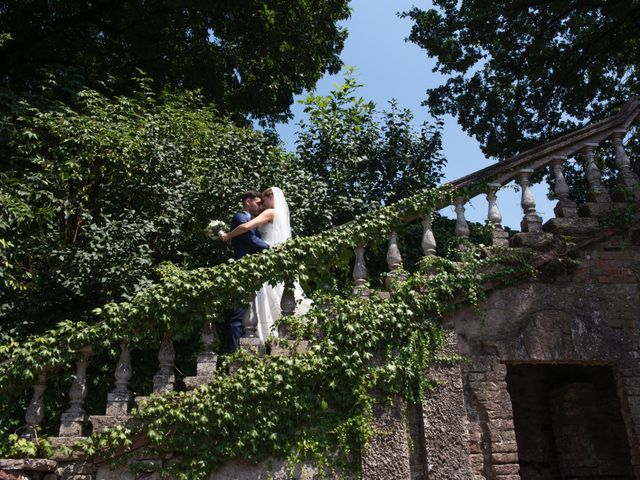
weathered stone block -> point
(195, 382)
(574, 227)
(596, 209)
(100, 422)
(163, 382)
(29, 464)
(534, 240)
(252, 345)
(206, 364)
(73, 424)
(119, 403)
(509, 469)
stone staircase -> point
(577, 221)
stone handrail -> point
(565, 145)
(490, 179)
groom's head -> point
(252, 202)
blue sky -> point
(389, 68)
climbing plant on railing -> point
(182, 301)
(300, 406)
(316, 404)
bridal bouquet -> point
(214, 228)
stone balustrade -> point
(581, 147)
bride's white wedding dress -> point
(267, 302)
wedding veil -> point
(281, 222)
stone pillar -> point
(394, 259)
(565, 208)
(428, 239)
(628, 384)
(250, 341)
(462, 227)
(287, 307)
(597, 193)
(35, 411)
(207, 361)
(494, 451)
(360, 273)
(386, 456)
(250, 321)
(627, 179)
(164, 380)
(531, 222)
(75, 417)
(499, 236)
(119, 400)
(445, 425)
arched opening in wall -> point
(568, 422)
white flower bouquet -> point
(215, 228)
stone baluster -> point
(626, 177)
(428, 239)
(207, 360)
(531, 221)
(250, 340)
(394, 259)
(360, 273)
(462, 227)
(119, 399)
(597, 193)
(164, 380)
(35, 411)
(288, 308)
(75, 417)
(250, 321)
(500, 237)
(565, 208)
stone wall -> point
(587, 317)
(517, 406)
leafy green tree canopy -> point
(94, 196)
(519, 72)
(365, 157)
(249, 57)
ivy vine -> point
(314, 404)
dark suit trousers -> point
(234, 328)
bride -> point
(274, 227)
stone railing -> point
(580, 144)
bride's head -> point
(267, 198)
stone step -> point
(100, 422)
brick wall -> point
(587, 317)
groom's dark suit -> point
(249, 242)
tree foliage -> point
(103, 202)
(365, 157)
(315, 404)
(248, 57)
(520, 72)
(93, 195)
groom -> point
(249, 242)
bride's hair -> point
(268, 193)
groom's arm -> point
(252, 241)
(256, 241)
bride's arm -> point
(262, 219)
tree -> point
(95, 195)
(366, 158)
(520, 72)
(248, 57)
